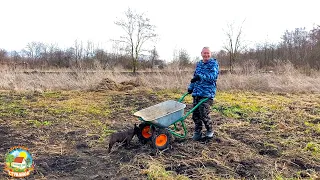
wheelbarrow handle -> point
(172, 131)
(183, 96)
(194, 108)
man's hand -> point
(195, 79)
(190, 91)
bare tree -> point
(89, 51)
(295, 45)
(3, 55)
(314, 55)
(35, 50)
(138, 30)
(234, 43)
(78, 51)
(184, 58)
(153, 56)
(181, 58)
(15, 56)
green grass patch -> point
(52, 94)
(37, 123)
(313, 147)
(230, 111)
(237, 105)
(156, 171)
(315, 128)
(12, 109)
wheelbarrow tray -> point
(163, 114)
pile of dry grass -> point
(107, 84)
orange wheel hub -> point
(161, 140)
(146, 132)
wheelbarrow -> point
(160, 121)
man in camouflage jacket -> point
(203, 85)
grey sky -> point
(180, 24)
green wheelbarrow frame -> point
(181, 120)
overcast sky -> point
(180, 23)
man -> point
(203, 85)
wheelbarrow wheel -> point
(145, 133)
(161, 139)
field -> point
(261, 134)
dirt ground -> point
(67, 133)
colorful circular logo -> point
(18, 162)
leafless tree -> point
(15, 56)
(295, 46)
(78, 51)
(234, 43)
(314, 55)
(184, 58)
(181, 58)
(3, 55)
(89, 51)
(35, 50)
(153, 56)
(138, 30)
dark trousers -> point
(201, 114)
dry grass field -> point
(284, 79)
(268, 126)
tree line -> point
(299, 47)
(41, 56)
(82, 55)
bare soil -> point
(70, 142)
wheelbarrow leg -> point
(175, 127)
(172, 131)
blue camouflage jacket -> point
(208, 73)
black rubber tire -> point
(143, 139)
(161, 132)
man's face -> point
(206, 54)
